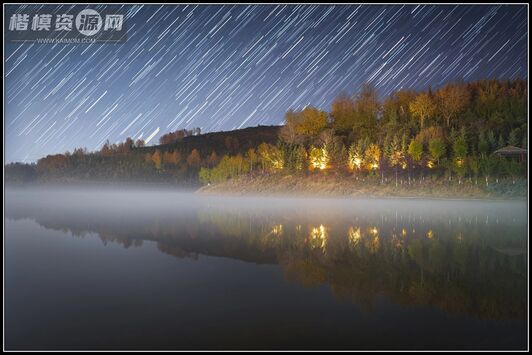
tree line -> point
(448, 133)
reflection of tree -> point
(459, 266)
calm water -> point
(112, 269)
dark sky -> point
(232, 66)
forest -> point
(448, 134)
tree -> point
(157, 159)
(501, 143)
(343, 112)
(288, 132)
(474, 166)
(358, 113)
(436, 149)
(488, 166)
(372, 156)
(452, 99)
(212, 160)
(301, 125)
(513, 138)
(171, 158)
(460, 145)
(355, 156)
(395, 155)
(483, 144)
(231, 144)
(309, 122)
(194, 159)
(415, 150)
(425, 135)
(204, 175)
(319, 157)
(423, 107)
(271, 157)
(252, 158)
(172, 137)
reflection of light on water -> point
(396, 241)
(318, 236)
(403, 232)
(354, 235)
(277, 229)
(374, 243)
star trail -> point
(231, 66)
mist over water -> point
(164, 269)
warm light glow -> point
(318, 237)
(430, 234)
(355, 162)
(374, 166)
(374, 243)
(277, 164)
(354, 235)
(319, 158)
(403, 232)
(430, 164)
(278, 229)
(373, 230)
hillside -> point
(224, 142)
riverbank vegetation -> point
(446, 135)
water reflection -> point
(468, 260)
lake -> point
(110, 268)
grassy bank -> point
(318, 185)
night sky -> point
(233, 66)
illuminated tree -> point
(459, 153)
(395, 155)
(319, 157)
(271, 156)
(372, 156)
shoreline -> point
(315, 186)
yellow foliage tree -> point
(423, 107)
